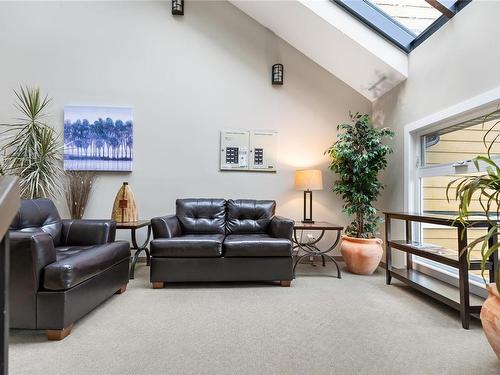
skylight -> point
(406, 23)
(415, 15)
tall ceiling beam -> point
(441, 7)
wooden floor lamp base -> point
(58, 334)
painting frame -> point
(98, 138)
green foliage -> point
(486, 188)
(30, 148)
(357, 157)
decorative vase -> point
(124, 208)
(361, 255)
(490, 318)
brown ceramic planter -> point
(361, 255)
(490, 318)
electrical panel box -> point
(234, 149)
(244, 150)
(263, 145)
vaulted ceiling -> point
(332, 38)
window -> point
(414, 15)
(446, 155)
(460, 143)
(406, 23)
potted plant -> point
(485, 188)
(357, 157)
(31, 149)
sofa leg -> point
(286, 282)
(158, 285)
(122, 289)
(58, 334)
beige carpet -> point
(321, 325)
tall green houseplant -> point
(357, 157)
(30, 148)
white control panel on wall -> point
(248, 150)
(263, 145)
(234, 149)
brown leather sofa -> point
(61, 269)
(218, 240)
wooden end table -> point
(309, 247)
(458, 298)
(133, 226)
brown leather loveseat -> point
(219, 240)
(61, 269)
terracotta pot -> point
(361, 255)
(490, 318)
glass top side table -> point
(310, 248)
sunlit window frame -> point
(458, 167)
(389, 28)
(458, 113)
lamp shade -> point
(308, 179)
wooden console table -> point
(458, 299)
(9, 205)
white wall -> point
(459, 61)
(187, 78)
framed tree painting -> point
(98, 138)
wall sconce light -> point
(178, 7)
(277, 74)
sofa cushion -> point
(256, 245)
(188, 246)
(77, 264)
(201, 216)
(249, 216)
(38, 215)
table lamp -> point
(308, 180)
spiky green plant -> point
(357, 157)
(486, 187)
(30, 148)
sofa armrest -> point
(166, 227)
(88, 232)
(29, 254)
(281, 227)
